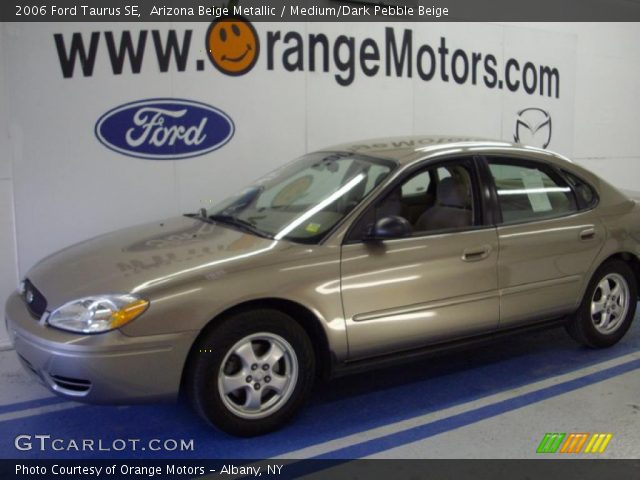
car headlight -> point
(97, 314)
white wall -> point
(8, 253)
(607, 98)
(65, 186)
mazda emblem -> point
(533, 127)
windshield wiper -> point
(239, 223)
(201, 214)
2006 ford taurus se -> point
(346, 258)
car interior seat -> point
(452, 208)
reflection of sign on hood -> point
(533, 127)
(178, 237)
(164, 128)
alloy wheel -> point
(610, 303)
(258, 375)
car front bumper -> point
(101, 368)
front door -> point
(439, 283)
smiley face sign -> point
(233, 45)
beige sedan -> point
(348, 258)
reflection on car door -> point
(434, 286)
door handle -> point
(475, 254)
(588, 234)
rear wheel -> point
(608, 307)
(251, 374)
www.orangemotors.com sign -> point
(233, 46)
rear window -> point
(529, 192)
(587, 197)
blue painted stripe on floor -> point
(346, 406)
(41, 402)
(473, 416)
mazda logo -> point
(533, 127)
(29, 296)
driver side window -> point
(435, 199)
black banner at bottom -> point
(544, 468)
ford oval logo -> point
(164, 129)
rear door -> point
(548, 238)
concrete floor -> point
(492, 402)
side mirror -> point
(390, 227)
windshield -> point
(306, 198)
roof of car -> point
(409, 148)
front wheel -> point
(608, 307)
(251, 373)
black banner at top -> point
(318, 10)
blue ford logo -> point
(164, 129)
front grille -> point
(36, 303)
(76, 385)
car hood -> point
(632, 194)
(139, 258)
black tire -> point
(584, 327)
(264, 330)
